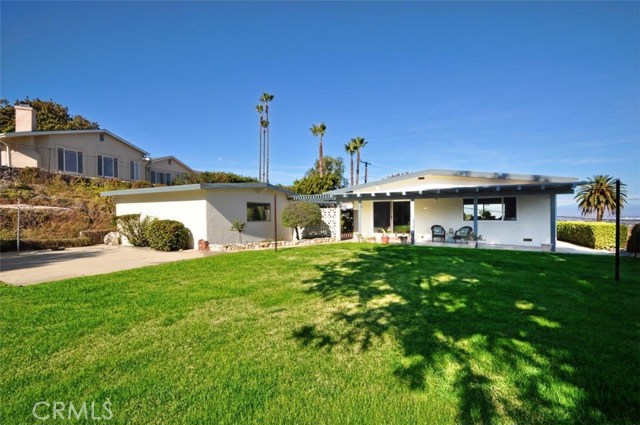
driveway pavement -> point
(44, 266)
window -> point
(258, 212)
(387, 213)
(70, 161)
(107, 166)
(134, 170)
(160, 178)
(503, 209)
(102, 137)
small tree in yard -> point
(238, 226)
(301, 214)
(633, 244)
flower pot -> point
(384, 239)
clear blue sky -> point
(545, 88)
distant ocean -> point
(629, 221)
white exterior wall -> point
(225, 205)
(189, 208)
(533, 220)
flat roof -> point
(459, 173)
(192, 187)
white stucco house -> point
(506, 209)
(208, 209)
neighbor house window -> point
(502, 209)
(70, 161)
(258, 211)
(134, 170)
(160, 178)
(107, 166)
(392, 216)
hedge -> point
(168, 235)
(592, 235)
(95, 237)
(33, 244)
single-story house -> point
(166, 169)
(209, 209)
(91, 153)
(506, 209)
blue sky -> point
(545, 88)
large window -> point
(502, 209)
(258, 211)
(161, 178)
(70, 161)
(134, 170)
(392, 216)
(107, 166)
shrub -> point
(95, 236)
(134, 228)
(633, 244)
(31, 244)
(168, 235)
(301, 214)
(592, 235)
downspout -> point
(2, 136)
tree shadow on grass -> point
(515, 328)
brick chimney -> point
(25, 118)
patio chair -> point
(438, 232)
(462, 234)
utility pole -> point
(366, 169)
(618, 229)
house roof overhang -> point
(463, 192)
(194, 187)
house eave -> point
(195, 187)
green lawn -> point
(343, 333)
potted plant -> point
(385, 236)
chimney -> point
(25, 118)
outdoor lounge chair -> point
(463, 234)
(438, 231)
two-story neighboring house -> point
(90, 153)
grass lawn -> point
(343, 333)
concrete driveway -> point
(33, 267)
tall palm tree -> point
(265, 99)
(358, 143)
(599, 195)
(319, 130)
(350, 148)
(260, 110)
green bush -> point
(95, 237)
(134, 228)
(633, 244)
(592, 235)
(301, 214)
(32, 244)
(168, 235)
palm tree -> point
(318, 130)
(350, 148)
(265, 99)
(260, 110)
(358, 143)
(599, 195)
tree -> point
(51, 116)
(599, 195)
(350, 148)
(301, 214)
(318, 130)
(358, 143)
(265, 99)
(213, 177)
(238, 226)
(313, 183)
(260, 110)
(633, 243)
